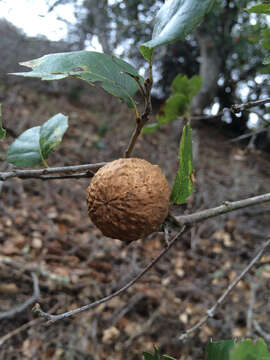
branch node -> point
(226, 203)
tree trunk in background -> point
(210, 68)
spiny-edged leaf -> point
(51, 133)
(155, 356)
(189, 87)
(195, 84)
(183, 91)
(2, 130)
(180, 84)
(260, 9)
(148, 356)
(25, 151)
(34, 145)
(183, 183)
(246, 349)
(156, 352)
(175, 20)
(150, 128)
(90, 66)
(219, 350)
(175, 106)
(167, 357)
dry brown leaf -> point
(110, 335)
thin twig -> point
(144, 327)
(54, 318)
(210, 313)
(142, 120)
(233, 109)
(245, 136)
(87, 175)
(33, 267)
(20, 308)
(42, 173)
(219, 210)
(137, 79)
(253, 288)
(260, 331)
(29, 324)
(250, 104)
(134, 137)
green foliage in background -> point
(178, 104)
(260, 9)
(264, 37)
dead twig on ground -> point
(29, 324)
(126, 309)
(253, 288)
(143, 328)
(260, 331)
(53, 318)
(38, 268)
(210, 313)
(20, 308)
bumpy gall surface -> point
(128, 199)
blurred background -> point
(44, 226)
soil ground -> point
(44, 228)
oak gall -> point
(128, 199)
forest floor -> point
(45, 229)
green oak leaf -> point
(51, 133)
(147, 129)
(148, 356)
(174, 21)
(246, 349)
(183, 183)
(155, 356)
(34, 145)
(219, 349)
(116, 76)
